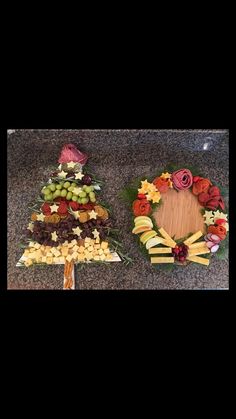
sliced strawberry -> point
(141, 196)
(74, 205)
(220, 221)
(46, 209)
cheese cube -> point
(81, 249)
(74, 242)
(31, 255)
(109, 256)
(55, 260)
(75, 248)
(47, 248)
(61, 259)
(87, 239)
(37, 246)
(92, 242)
(32, 249)
(106, 251)
(49, 260)
(81, 256)
(64, 251)
(96, 257)
(65, 243)
(102, 257)
(104, 245)
(49, 254)
(86, 244)
(74, 255)
(90, 248)
(97, 246)
(69, 258)
(89, 256)
(28, 262)
(97, 240)
(100, 252)
(70, 245)
(44, 259)
(26, 252)
(31, 244)
(95, 252)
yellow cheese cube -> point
(47, 248)
(49, 260)
(95, 252)
(31, 255)
(96, 257)
(108, 256)
(89, 256)
(104, 245)
(90, 248)
(26, 252)
(102, 257)
(74, 255)
(44, 259)
(49, 254)
(55, 259)
(81, 249)
(31, 244)
(70, 245)
(92, 242)
(69, 258)
(87, 240)
(97, 246)
(62, 259)
(106, 251)
(64, 251)
(86, 244)
(100, 252)
(32, 249)
(28, 262)
(81, 256)
(74, 242)
(97, 240)
(75, 248)
(65, 243)
(37, 246)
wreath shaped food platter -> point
(178, 217)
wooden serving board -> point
(179, 213)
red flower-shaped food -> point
(200, 185)
(141, 207)
(220, 231)
(71, 153)
(211, 199)
(182, 179)
(74, 205)
(161, 184)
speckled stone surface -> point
(117, 156)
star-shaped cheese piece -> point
(218, 215)
(62, 174)
(54, 236)
(209, 218)
(54, 207)
(154, 197)
(93, 214)
(59, 167)
(165, 175)
(76, 214)
(40, 217)
(76, 191)
(147, 187)
(95, 233)
(79, 175)
(31, 227)
(71, 164)
(77, 231)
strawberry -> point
(74, 205)
(62, 210)
(220, 221)
(46, 209)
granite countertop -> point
(117, 156)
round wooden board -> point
(180, 213)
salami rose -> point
(182, 179)
(71, 153)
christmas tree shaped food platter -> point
(179, 218)
(68, 224)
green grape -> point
(74, 184)
(74, 198)
(82, 194)
(87, 189)
(56, 193)
(91, 195)
(69, 196)
(63, 193)
(84, 200)
(52, 187)
(48, 197)
(46, 191)
(79, 200)
(92, 188)
(61, 182)
(84, 187)
(93, 199)
(70, 189)
(66, 185)
(58, 186)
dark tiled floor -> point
(117, 157)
